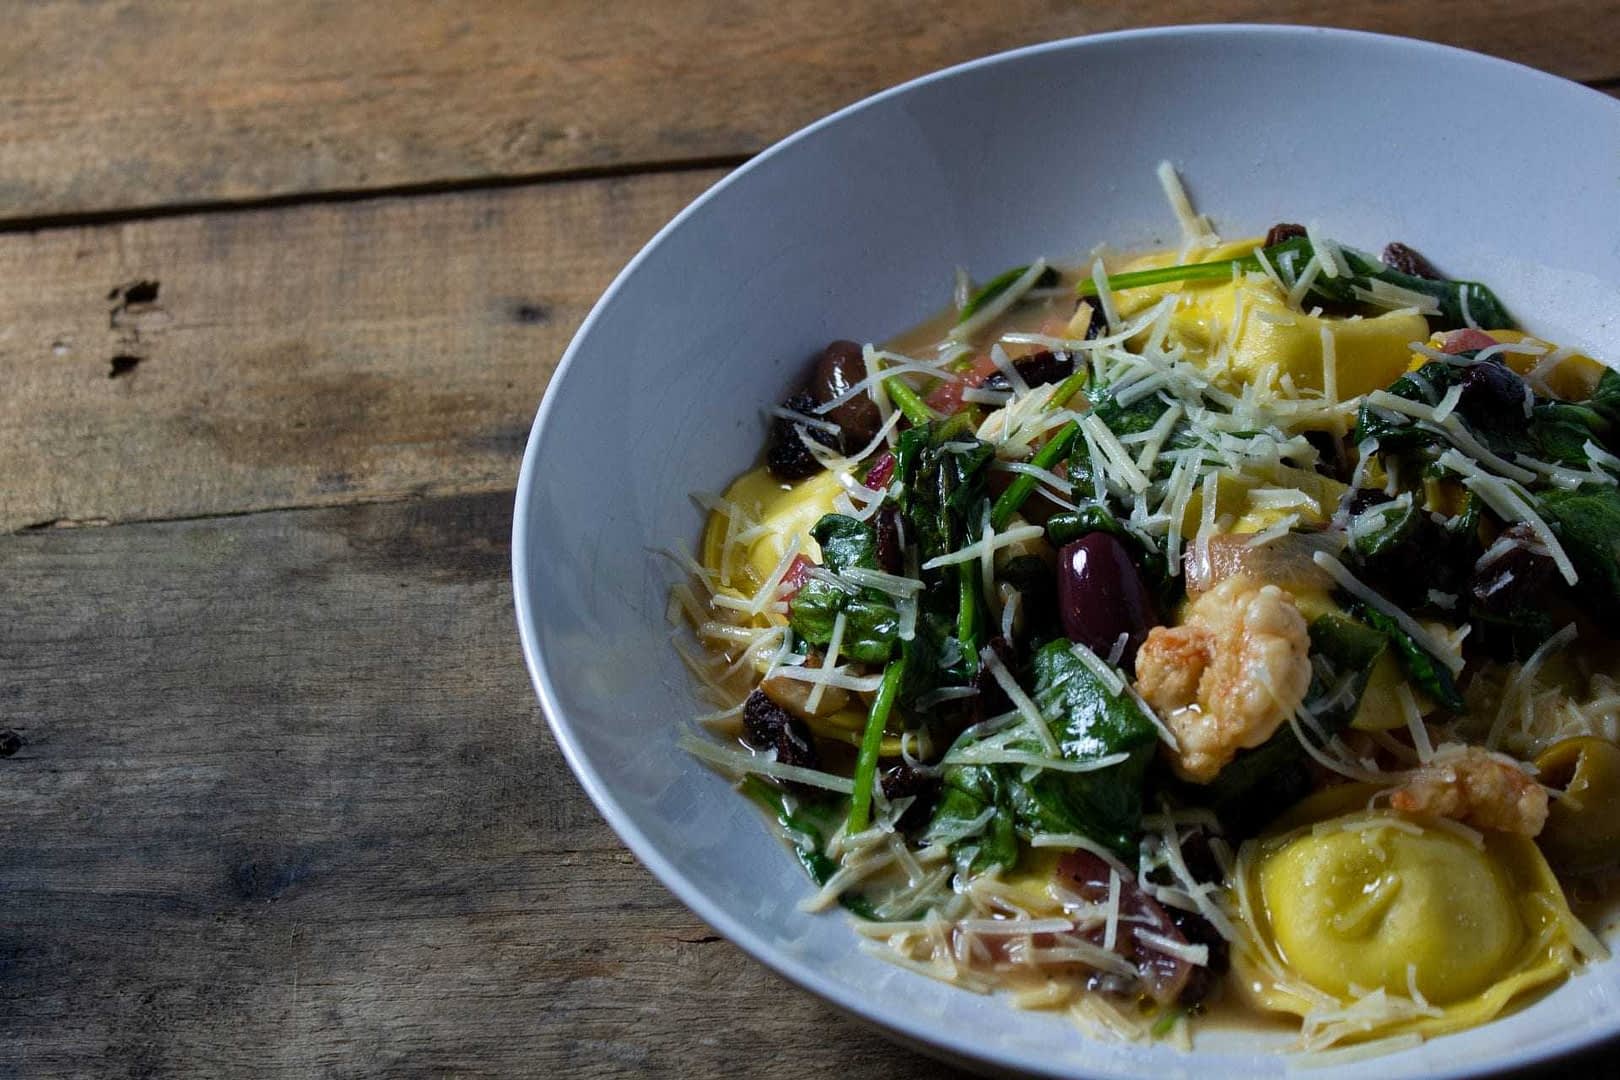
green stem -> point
(1067, 389)
(967, 611)
(860, 802)
(1137, 279)
(1023, 485)
(906, 400)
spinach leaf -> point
(871, 626)
(806, 827)
(846, 543)
(977, 844)
(1394, 431)
(871, 623)
(1073, 524)
(1587, 521)
(1133, 419)
(1000, 284)
(1461, 303)
(942, 466)
(1089, 721)
(1378, 531)
(1554, 431)
(1560, 431)
(1605, 399)
(1261, 783)
(801, 825)
(1425, 671)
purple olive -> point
(1101, 596)
(1493, 396)
(840, 366)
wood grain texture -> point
(286, 807)
(111, 105)
(298, 356)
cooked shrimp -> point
(1478, 788)
(1229, 676)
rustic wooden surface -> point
(279, 288)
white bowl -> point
(852, 228)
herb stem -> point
(860, 803)
(967, 611)
(906, 400)
(1068, 388)
(1023, 484)
(1159, 275)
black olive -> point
(1036, 369)
(840, 366)
(1398, 256)
(1493, 397)
(1521, 577)
(1097, 324)
(1101, 596)
(1200, 931)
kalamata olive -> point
(785, 453)
(1518, 578)
(840, 366)
(1493, 397)
(1282, 231)
(1095, 322)
(1036, 369)
(1161, 975)
(1398, 256)
(1101, 596)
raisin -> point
(771, 727)
(1283, 231)
(785, 453)
(1398, 256)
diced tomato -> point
(1466, 340)
(798, 572)
(881, 472)
(946, 398)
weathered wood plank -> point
(286, 807)
(298, 356)
(111, 105)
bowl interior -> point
(852, 229)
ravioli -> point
(1274, 341)
(1341, 903)
(782, 512)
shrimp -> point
(1229, 676)
(1476, 787)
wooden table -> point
(280, 286)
